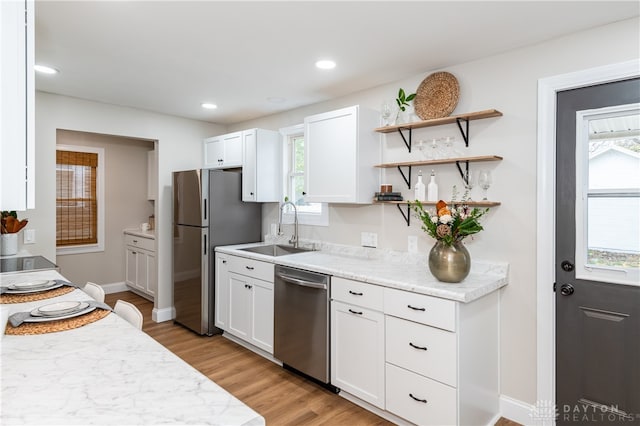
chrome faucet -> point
(294, 237)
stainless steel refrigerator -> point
(208, 211)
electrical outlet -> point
(373, 239)
(412, 244)
(369, 239)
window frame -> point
(304, 218)
(100, 210)
(585, 270)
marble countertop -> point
(140, 233)
(390, 269)
(106, 372)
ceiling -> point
(254, 59)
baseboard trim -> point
(114, 287)
(162, 315)
(518, 411)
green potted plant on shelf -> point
(403, 103)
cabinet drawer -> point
(418, 399)
(140, 242)
(426, 350)
(251, 268)
(357, 293)
(420, 308)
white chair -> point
(129, 312)
(94, 290)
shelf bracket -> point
(407, 217)
(464, 173)
(464, 133)
(407, 179)
(407, 143)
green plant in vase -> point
(403, 102)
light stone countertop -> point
(140, 233)
(386, 268)
(104, 373)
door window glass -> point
(608, 189)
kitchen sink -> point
(275, 250)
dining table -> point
(104, 372)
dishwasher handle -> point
(304, 283)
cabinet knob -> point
(224, 261)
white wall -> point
(179, 147)
(507, 82)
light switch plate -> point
(29, 236)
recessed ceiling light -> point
(45, 69)
(208, 105)
(326, 64)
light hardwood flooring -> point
(278, 395)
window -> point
(308, 213)
(608, 194)
(79, 201)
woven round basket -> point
(437, 96)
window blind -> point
(76, 198)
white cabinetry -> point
(428, 360)
(357, 340)
(225, 151)
(245, 286)
(17, 145)
(261, 166)
(152, 175)
(140, 264)
(341, 150)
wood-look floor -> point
(278, 395)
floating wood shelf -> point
(440, 121)
(441, 161)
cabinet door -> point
(152, 281)
(357, 352)
(240, 301)
(232, 150)
(330, 156)
(262, 328)
(142, 273)
(249, 166)
(17, 145)
(213, 153)
(131, 266)
(221, 317)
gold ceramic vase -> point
(449, 264)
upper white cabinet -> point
(152, 175)
(225, 151)
(261, 166)
(341, 149)
(17, 85)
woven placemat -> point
(32, 297)
(54, 326)
(437, 96)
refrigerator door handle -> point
(205, 209)
(205, 244)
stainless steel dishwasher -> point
(301, 337)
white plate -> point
(75, 314)
(61, 308)
(30, 285)
(54, 285)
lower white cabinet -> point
(357, 351)
(140, 265)
(244, 299)
(427, 360)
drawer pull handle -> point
(355, 312)
(135, 241)
(249, 268)
(422, 348)
(416, 309)
(247, 286)
(418, 399)
(224, 261)
(355, 293)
